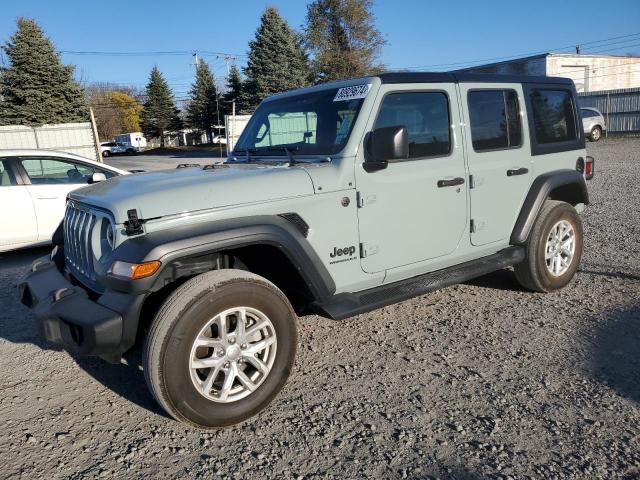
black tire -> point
(533, 273)
(596, 134)
(106, 153)
(185, 312)
(130, 151)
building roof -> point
(545, 55)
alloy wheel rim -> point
(233, 354)
(560, 248)
(596, 134)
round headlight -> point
(102, 238)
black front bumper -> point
(68, 316)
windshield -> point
(313, 123)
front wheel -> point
(220, 348)
(106, 153)
(553, 250)
(596, 134)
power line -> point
(146, 54)
(528, 54)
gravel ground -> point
(481, 380)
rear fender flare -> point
(566, 185)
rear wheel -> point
(106, 153)
(220, 348)
(553, 250)
(596, 134)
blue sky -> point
(420, 33)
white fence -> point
(234, 126)
(67, 137)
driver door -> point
(49, 182)
(415, 209)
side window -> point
(495, 119)
(426, 118)
(6, 176)
(553, 116)
(48, 171)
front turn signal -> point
(134, 271)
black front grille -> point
(78, 226)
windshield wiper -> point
(248, 152)
(292, 160)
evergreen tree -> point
(202, 110)
(159, 112)
(234, 92)
(36, 88)
(342, 38)
(276, 61)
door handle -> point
(450, 182)
(517, 171)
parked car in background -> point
(219, 139)
(593, 123)
(33, 189)
(135, 141)
(112, 148)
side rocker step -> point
(344, 305)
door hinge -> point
(472, 226)
(471, 184)
(362, 200)
(367, 249)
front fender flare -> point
(209, 237)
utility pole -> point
(96, 140)
(228, 59)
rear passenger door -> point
(499, 159)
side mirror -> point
(97, 177)
(384, 144)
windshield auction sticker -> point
(353, 92)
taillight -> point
(586, 167)
(589, 167)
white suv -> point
(111, 148)
(593, 123)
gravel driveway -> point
(481, 380)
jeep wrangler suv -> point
(336, 200)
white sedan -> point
(33, 189)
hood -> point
(171, 192)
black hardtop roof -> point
(462, 77)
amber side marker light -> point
(134, 271)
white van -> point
(134, 140)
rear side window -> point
(553, 116)
(6, 176)
(426, 118)
(495, 119)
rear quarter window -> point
(555, 124)
(553, 116)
